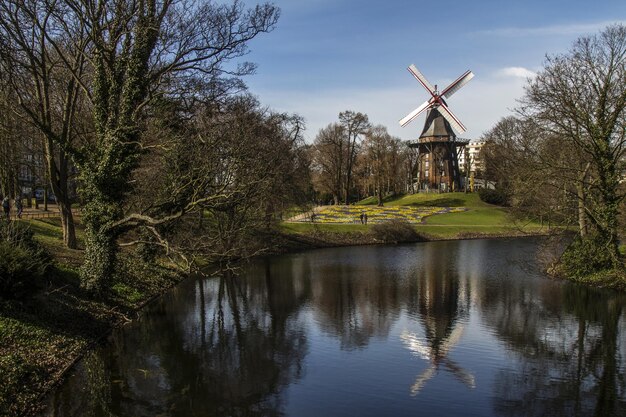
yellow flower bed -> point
(352, 214)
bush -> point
(23, 262)
(395, 231)
(498, 197)
(585, 257)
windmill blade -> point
(422, 379)
(414, 113)
(420, 77)
(451, 340)
(415, 345)
(451, 118)
(457, 84)
(461, 374)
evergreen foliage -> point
(583, 258)
(498, 197)
(23, 262)
(395, 231)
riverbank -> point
(43, 335)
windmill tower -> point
(437, 163)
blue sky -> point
(327, 56)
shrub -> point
(585, 257)
(23, 262)
(499, 197)
(395, 231)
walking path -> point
(33, 213)
(306, 216)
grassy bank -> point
(614, 279)
(478, 219)
(43, 334)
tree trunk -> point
(348, 180)
(609, 202)
(67, 221)
(100, 244)
(58, 175)
(582, 202)
(103, 188)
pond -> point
(469, 328)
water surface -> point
(463, 328)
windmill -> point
(438, 165)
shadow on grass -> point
(50, 228)
(440, 202)
(373, 201)
(63, 308)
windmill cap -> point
(436, 125)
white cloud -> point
(552, 30)
(519, 72)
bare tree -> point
(355, 125)
(45, 66)
(377, 148)
(329, 160)
(231, 169)
(537, 170)
(9, 149)
(579, 98)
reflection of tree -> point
(356, 302)
(229, 350)
(230, 345)
(93, 382)
(441, 301)
(570, 363)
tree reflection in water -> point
(231, 345)
(356, 301)
(228, 351)
(568, 350)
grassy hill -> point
(430, 200)
(468, 217)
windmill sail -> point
(457, 84)
(420, 77)
(414, 113)
(451, 118)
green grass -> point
(430, 200)
(492, 216)
(45, 230)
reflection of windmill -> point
(443, 302)
(436, 355)
(438, 165)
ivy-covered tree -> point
(133, 52)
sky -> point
(327, 56)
